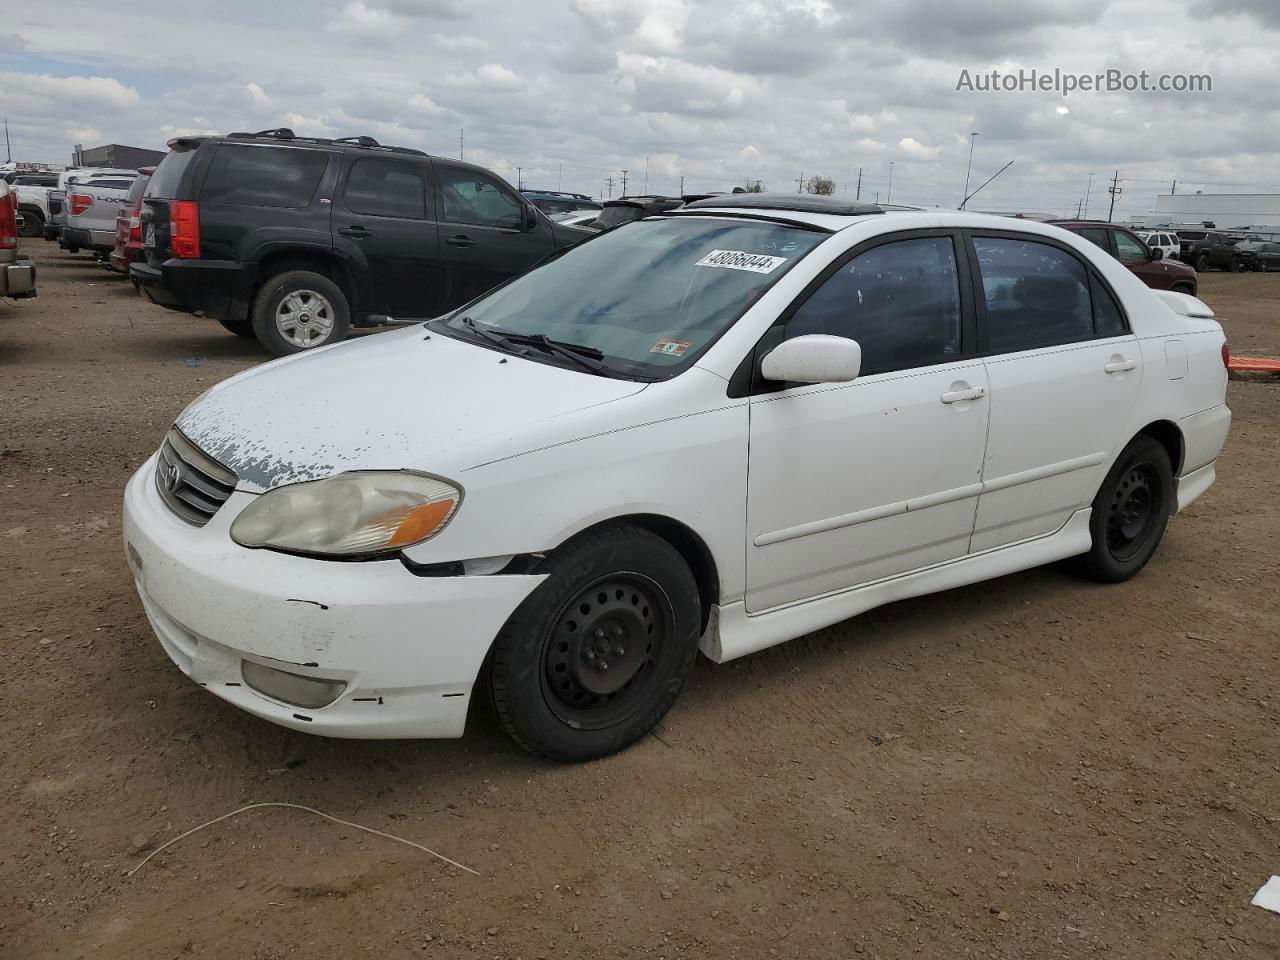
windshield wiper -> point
(588, 357)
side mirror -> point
(813, 358)
(530, 217)
(1153, 253)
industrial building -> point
(1252, 212)
(115, 155)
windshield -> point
(1191, 234)
(647, 298)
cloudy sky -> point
(717, 91)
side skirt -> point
(733, 633)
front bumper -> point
(408, 648)
(18, 280)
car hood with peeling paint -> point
(400, 400)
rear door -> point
(1064, 371)
(484, 238)
(384, 219)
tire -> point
(32, 223)
(1130, 512)
(241, 328)
(1202, 263)
(318, 302)
(1237, 265)
(618, 597)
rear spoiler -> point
(1184, 304)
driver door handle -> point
(358, 232)
(461, 240)
(1120, 365)
(967, 393)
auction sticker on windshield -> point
(741, 260)
(672, 348)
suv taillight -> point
(78, 203)
(135, 223)
(184, 229)
(9, 222)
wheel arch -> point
(686, 541)
(1169, 436)
(316, 260)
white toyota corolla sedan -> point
(716, 429)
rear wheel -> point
(1237, 265)
(299, 310)
(32, 223)
(595, 656)
(1202, 262)
(1130, 512)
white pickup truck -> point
(92, 204)
(32, 191)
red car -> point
(128, 228)
(1156, 272)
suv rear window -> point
(164, 182)
(263, 176)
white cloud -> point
(491, 76)
(99, 91)
(916, 150)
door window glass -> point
(1098, 237)
(900, 301)
(386, 188)
(1127, 248)
(1108, 319)
(1036, 295)
(472, 197)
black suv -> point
(1208, 248)
(296, 239)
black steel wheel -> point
(595, 656)
(1130, 512)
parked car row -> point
(1156, 271)
(17, 274)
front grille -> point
(189, 481)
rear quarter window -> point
(168, 176)
(263, 176)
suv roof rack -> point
(556, 193)
(284, 133)
(797, 202)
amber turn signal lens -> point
(420, 522)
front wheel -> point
(597, 654)
(300, 310)
(1237, 265)
(1202, 263)
(1130, 512)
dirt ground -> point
(1034, 767)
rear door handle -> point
(357, 232)
(461, 240)
(1120, 365)
(967, 393)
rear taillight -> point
(184, 229)
(135, 223)
(1226, 355)
(9, 222)
(78, 203)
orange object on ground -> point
(1253, 365)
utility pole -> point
(624, 184)
(858, 194)
(460, 131)
(646, 176)
(800, 183)
(888, 197)
(877, 196)
(560, 177)
(1115, 191)
(1087, 190)
(519, 178)
(969, 169)
(8, 153)
(609, 181)
(682, 185)
(1174, 188)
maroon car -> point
(1156, 272)
(128, 229)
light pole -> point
(969, 169)
(1087, 190)
(646, 176)
(888, 197)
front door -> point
(485, 239)
(1064, 371)
(850, 483)
(383, 220)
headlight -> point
(349, 515)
